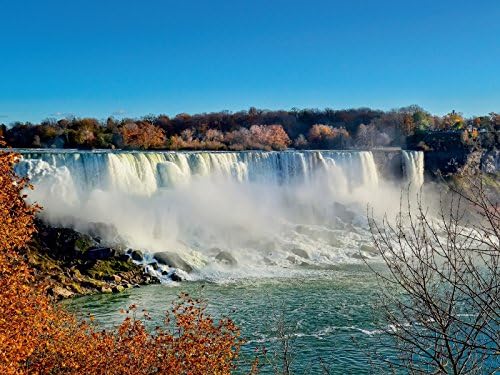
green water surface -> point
(331, 315)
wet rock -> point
(118, 289)
(59, 292)
(137, 255)
(77, 288)
(300, 253)
(172, 260)
(83, 243)
(154, 266)
(226, 258)
(96, 253)
(74, 264)
(175, 277)
(122, 257)
(93, 284)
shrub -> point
(37, 336)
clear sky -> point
(131, 58)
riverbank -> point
(75, 264)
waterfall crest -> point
(144, 173)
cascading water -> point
(269, 210)
(144, 173)
(413, 164)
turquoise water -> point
(332, 316)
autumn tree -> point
(408, 126)
(325, 137)
(270, 137)
(238, 140)
(142, 135)
(214, 140)
(300, 142)
(40, 337)
(453, 120)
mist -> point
(271, 211)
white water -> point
(413, 162)
(259, 206)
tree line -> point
(249, 129)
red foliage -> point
(324, 136)
(39, 337)
(270, 137)
(143, 135)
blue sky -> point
(131, 58)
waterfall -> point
(413, 164)
(144, 173)
(263, 208)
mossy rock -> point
(93, 284)
(118, 289)
(110, 267)
(77, 288)
(83, 243)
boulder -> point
(137, 255)
(118, 289)
(175, 277)
(300, 253)
(83, 243)
(154, 266)
(226, 258)
(59, 292)
(117, 279)
(172, 260)
(96, 253)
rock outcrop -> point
(172, 260)
(76, 264)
